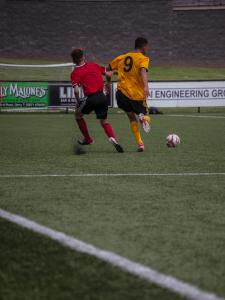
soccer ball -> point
(172, 140)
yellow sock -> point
(136, 132)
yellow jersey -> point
(129, 77)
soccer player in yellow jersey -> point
(132, 87)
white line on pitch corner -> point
(195, 116)
(110, 175)
(165, 281)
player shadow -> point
(78, 149)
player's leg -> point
(83, 109)
(141, 109)
(111, 135)
(135, 130)
(125, 104)
(101, 110)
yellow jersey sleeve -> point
(114, 64)
(144, 62)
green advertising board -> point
(23, 94)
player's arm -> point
(75, 83)
(112, 69)
(144, 77)
(144, 65)
(106, 71)
(108, 74)
(77, 93)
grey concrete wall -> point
(49, 29)
(200, 37)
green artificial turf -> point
(186, 73)
(34, 267)
(174, 224)
(58, 74)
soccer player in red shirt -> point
(88, 75)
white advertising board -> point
(184, 94)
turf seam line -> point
(144, 272)
(109, 175)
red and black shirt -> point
(89, 76)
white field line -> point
(109, 175)
(147, 273)
(195, 116)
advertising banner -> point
(62, 95)
(184, 94)
(23, 94)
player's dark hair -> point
(140, 42)
(77, 55)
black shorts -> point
(128, 105)
(95, 102)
